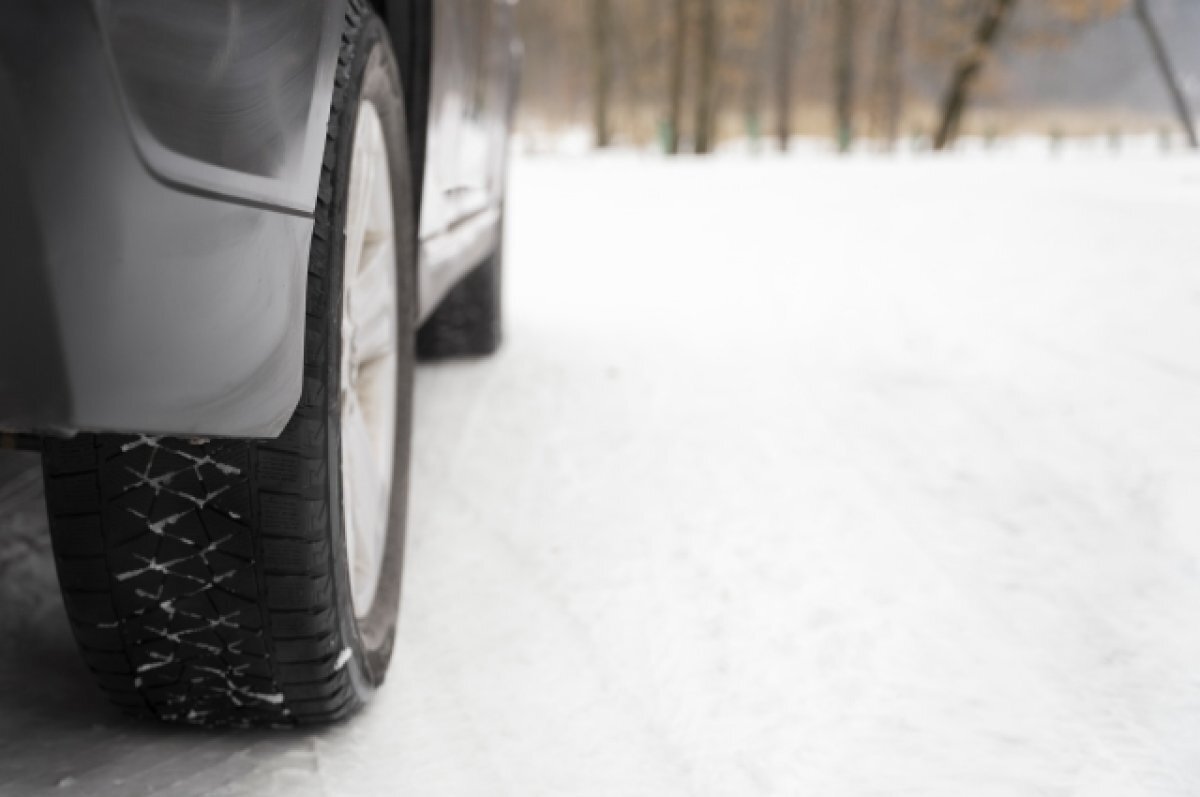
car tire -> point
(212, 581)
(467, 323)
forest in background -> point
(685, 75)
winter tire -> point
(467, 323)
(250, 583)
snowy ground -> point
(795, 478)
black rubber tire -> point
(207, 581)
(468, 322)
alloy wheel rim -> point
(369, 358)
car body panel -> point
(228, 97)
(472, 96)
(160, 209)
(171, 311)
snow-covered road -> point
(795, 478)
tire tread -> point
(197, 575)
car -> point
(230, 230)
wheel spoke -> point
(368, 384)
(368, 489)
(373, 304)
(358, 203)
(380, 221)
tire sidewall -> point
(373, 76)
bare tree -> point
(783, 71)
(892, 73)
(628, 67)
(706, 88)
(678, 49)
(967, 70)
(601, 70)
(1165, 68)
(843, 73)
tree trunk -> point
(706, 87)
(967, 71)
(1142, 9)
(678, 60)
(893, 74)
(783, 72)
(843, 74)
(601, 70)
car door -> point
(485, 124)
(470, 84)
(450, 92)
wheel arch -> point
(410, 24)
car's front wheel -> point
(248, 582)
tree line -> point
(680, 71)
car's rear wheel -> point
(468, 322)
(241, 582)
